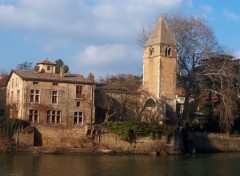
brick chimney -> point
(61, 72)
(36, 69)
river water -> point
(222, 164)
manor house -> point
(48, 98)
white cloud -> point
(205, 9)
(231, 15)
(116, 58)
(78, 18)
(237, 54)
(79, 24)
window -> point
(12, 83)
(55, 84)
(54, 97)
(78, 118)
(33, 116)
(48, 67)
(35, 83)
(2, 112)
(168, 51)
(18, 95)
(11, 97)
(151, 51)
(53, 116)
(79, 91)
(78, 104)
(35, 96)
(16, 82)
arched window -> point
(151, 51)
(168, 51)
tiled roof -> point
(3, 80)
(161, 34)
(52, 77)
(47, 62)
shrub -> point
(9, 126)
(129, 131)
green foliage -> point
(128, 131)
(9, 126)
(60, 64)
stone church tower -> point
(159, 66)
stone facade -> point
(43, 97)
(160, 64)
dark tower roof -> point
(161, 34)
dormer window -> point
(151, 51)
(168, 51)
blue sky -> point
(99, 36)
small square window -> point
(35, 83)
(55, 84)
(48, 67)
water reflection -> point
(90, 165)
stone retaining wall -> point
(211, 142)
(143, 145)
(55, 136)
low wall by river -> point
(213, 142)
(142, 145)
(81, 139)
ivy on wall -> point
(129, 131)
(9, 126)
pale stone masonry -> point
(160, 64)
(47, 98)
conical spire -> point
(161, 34)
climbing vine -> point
(9, 126)
(129, 131)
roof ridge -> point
(161, 33)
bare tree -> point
(219, 81)
(24, 66)
(116, 94)
(123, 98)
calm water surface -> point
(224, 164)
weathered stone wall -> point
(24, 137)
(59, 136)
(18, 100)
(210, 142)
(143, 145)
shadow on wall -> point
(37, 137)
(203, 142)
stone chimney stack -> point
(90, 77)
(61, 72)
(36, 69)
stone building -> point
(3, 82)
(43, 97)
(159, 66)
